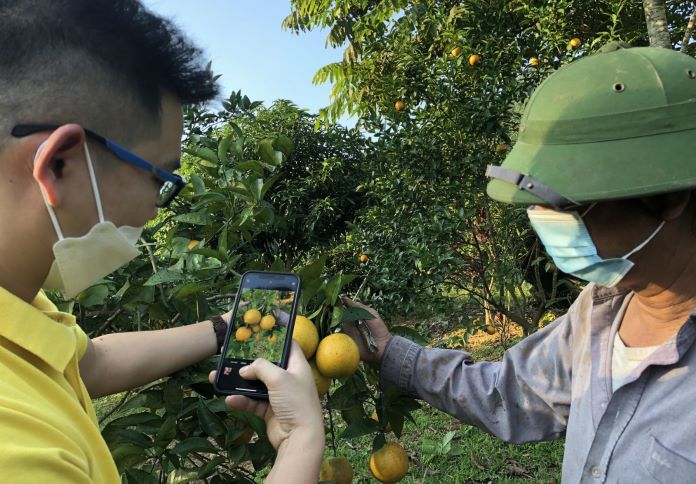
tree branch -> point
(689, 30)
(656, 21)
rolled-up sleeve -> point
(525, 397)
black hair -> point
(90, 61)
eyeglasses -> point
(172, 183)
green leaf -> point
(378, 442)
(188, 289)
(134, 437)
(211, 424)
(251, 165)
(182, 476)
(358, 429)
(173, 396)
(409, 333)
(193, 444)
(198, 184)
(163, 277)
(128, 455)
(343, 398)
(204, 154)
(209, 468)
(193, 218)
(268, 154)
(94, 296)
(166, 432)
(284, 144)
(139, 476)
(355, 314)
(223, 147)
(136, 419)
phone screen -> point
(265, 306)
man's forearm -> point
(128, 360)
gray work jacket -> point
(557, 382)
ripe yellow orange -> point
(534, 62)
(399, 105)
(490, 329)
(337, 356)
(242, 334)
(390, 463)
(255, 328)
(267, 322)
(456, 52)
(575, 42)
(364, 258)
(474, 59)
(306, 335)
(323, 383)
(252, 316)
(336, 469)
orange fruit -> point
(474, 59)
(267, 322)
(336, 469)
(575, 42)
(306, 335)
(390, 463)
(273, 338)
(364, 258)
(456, 52)
(192, 245)
(399, 105)
(337, 356)
(255, 328)
(533, 62)
(490, 329)
(242, 334)
(323, 383)
(252, 316)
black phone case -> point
(231, 327)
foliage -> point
(438, 116)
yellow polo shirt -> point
(48, 429)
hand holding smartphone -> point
(255, 330)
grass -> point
(482, 458)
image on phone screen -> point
(259, 329)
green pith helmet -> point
(617, 124)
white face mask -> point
(79, 262)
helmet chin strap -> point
(529, 184)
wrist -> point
(309, 438)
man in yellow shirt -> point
(91, 95)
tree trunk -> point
(656, 20)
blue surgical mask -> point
(569, 244)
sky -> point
(247, 45)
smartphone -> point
(263, 318)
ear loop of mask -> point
(647, 241)
(640, 246)
(95, 191)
